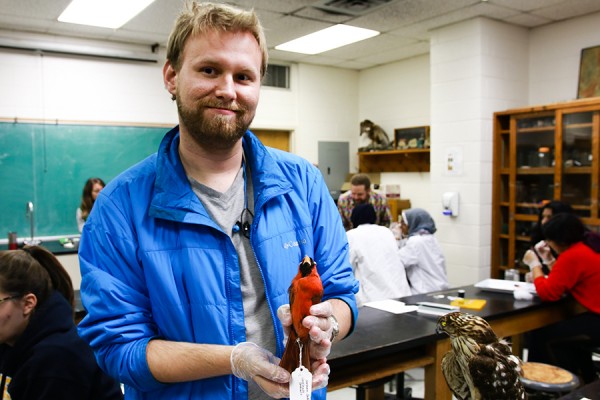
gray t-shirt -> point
(226, 210)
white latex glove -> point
(531, 259)
(320, 329)
(320, 345)
(252, 363)
(522, 294)
(544, 252)
(285, 316)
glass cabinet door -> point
(577, 158)
(535, 161)
(542, 153)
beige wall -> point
(71, 264)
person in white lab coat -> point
(422, 255)
(374, 258)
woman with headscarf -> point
(422, 255)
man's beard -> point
(218, 132)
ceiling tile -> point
(568, 9)
(528, 20)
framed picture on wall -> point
(416, 137)
(589, 73)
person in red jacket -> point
(576, 272)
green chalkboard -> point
(48, 164)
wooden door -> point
(274, 138)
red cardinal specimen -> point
(306, 289)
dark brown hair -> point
(567, 229)
(87, 202)
(34, 270)
(361, 179)
(199, 18)
(557, 207)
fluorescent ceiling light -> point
(327, 39)
(104, 13)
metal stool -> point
(547, 380)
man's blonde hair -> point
(198, 18)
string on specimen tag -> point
(301, 380)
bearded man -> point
(187, 257)
(360, 193)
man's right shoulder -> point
(344, 196)
(137, 179)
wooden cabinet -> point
(542, 153)
(408, 160)
(397, 206)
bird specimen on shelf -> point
(379, 139)
(306, 289)
(479, 366)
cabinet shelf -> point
(571, 132)
(578, 126)
(409, 160)
(535, 171)
(537, 129)
(578, 170)
(527, 217)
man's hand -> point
(545, 253)
(252, 363)
(531, 259)
(320, 328)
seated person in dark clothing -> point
(576, 272)
(547, 211)
(41, 354)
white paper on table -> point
(392, 306)
(504, 286)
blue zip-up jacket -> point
(155, 265)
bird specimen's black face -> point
(306, 266)
(461, 324)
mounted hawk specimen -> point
(479, 366)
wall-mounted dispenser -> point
(450, 204)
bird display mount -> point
(379, 139)
(479, 365)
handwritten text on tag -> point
(301, 384)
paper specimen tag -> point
(301, 384)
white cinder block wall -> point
(477, 67)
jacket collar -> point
(173, 197)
